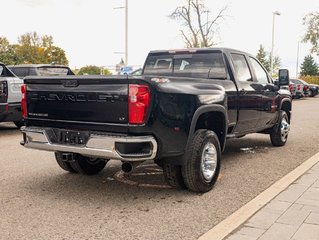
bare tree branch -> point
(188, 41)
(219, 16)
(197, 6)
(202, 33)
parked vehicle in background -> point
(306, 86)
(293, 89)
(126, 70)
(137, 72)
(23, 70)
(300, 88)
(310, 90)
(314, 90)
(10, 97)
(179, 113)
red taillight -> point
(24, 101)
(290, 87)
(138, 103)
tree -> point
(36, 49)
(264, 58)
(55, 55)
(311, 21)
(309, 67)
(106, 72)
(197, 32)
(32, 48)
(90, 70)
(276, 64)
(8, 52)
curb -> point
(227, 226)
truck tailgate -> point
(76, 99)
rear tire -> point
(279, 133)
(87, 165)
(311, 93)
(173, 175)
(63, 164)
(203, 162)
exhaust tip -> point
(127, 167)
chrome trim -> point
(284, 130)
(98, 145)
(209, 162)
(78, 122)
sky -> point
(92, 32)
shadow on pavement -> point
(146, 182)
(8, 129)
(105, 188)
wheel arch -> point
(286, 106)
(212, 117)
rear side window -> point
(200, 65)
(295, 81)
(241, 67)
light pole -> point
(273, 41)
(297, 67)
(126, 31)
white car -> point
(296, 88)
(10, 96)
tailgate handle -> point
(70, 83)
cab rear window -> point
(52, 71)
(199, 65)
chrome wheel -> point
(284, 129)
(209, 162)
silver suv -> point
(23, 70)
(10, 96)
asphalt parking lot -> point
(38, 200)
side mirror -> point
(283, 77)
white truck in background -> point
(10, 96)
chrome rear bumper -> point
(99, 145)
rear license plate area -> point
(72, 137)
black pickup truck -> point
(178, 113)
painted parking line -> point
(224, 228)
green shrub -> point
(311, 79)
